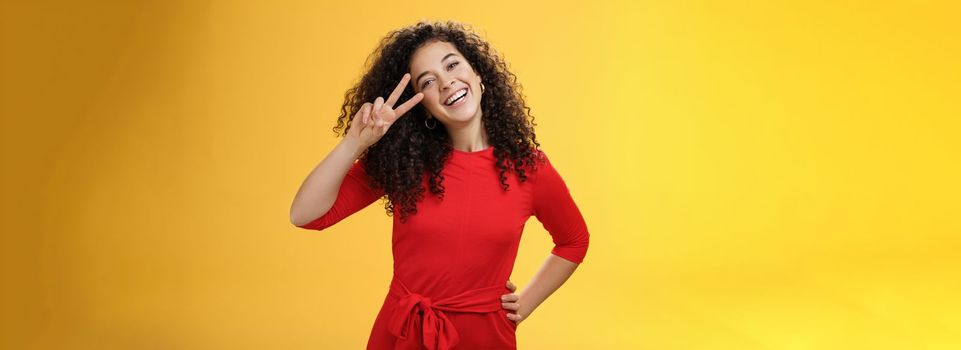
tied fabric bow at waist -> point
(415, 311)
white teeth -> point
(457, 95)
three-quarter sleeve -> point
(555, 209)
(354, 194)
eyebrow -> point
(442, 60)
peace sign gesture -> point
(373, 119)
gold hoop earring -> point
(482, 87)
(428, 126)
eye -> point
(449, 66)
(424, 84)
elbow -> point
(573, 251)
(311, 223)
(301, 217)
(296, 218)
(300, 220)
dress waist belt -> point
(415, 311)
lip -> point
(462, 101)
(443, 102)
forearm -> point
(319, 191)
(549, 278)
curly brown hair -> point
(398, 162)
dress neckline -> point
(489, 149)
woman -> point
(471, 144)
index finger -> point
(409, 104)
(398, 90)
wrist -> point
(526, 306)
(352, 145)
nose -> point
(449, 84)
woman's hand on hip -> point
(373, 119)
(511, 302)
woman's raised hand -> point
(373, 119)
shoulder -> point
(364, 166)
(542, 167)
(541, 161)
(359, 168)
(358, 171)
(549, 186)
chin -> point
(464, 115)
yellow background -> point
(755, 175)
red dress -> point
(452, 259)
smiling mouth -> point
(456, 97)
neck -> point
(469, 137)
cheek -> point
(470, 75)
(431, 101)
(429, 98)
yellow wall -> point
(755, 175)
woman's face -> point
(440, 71)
